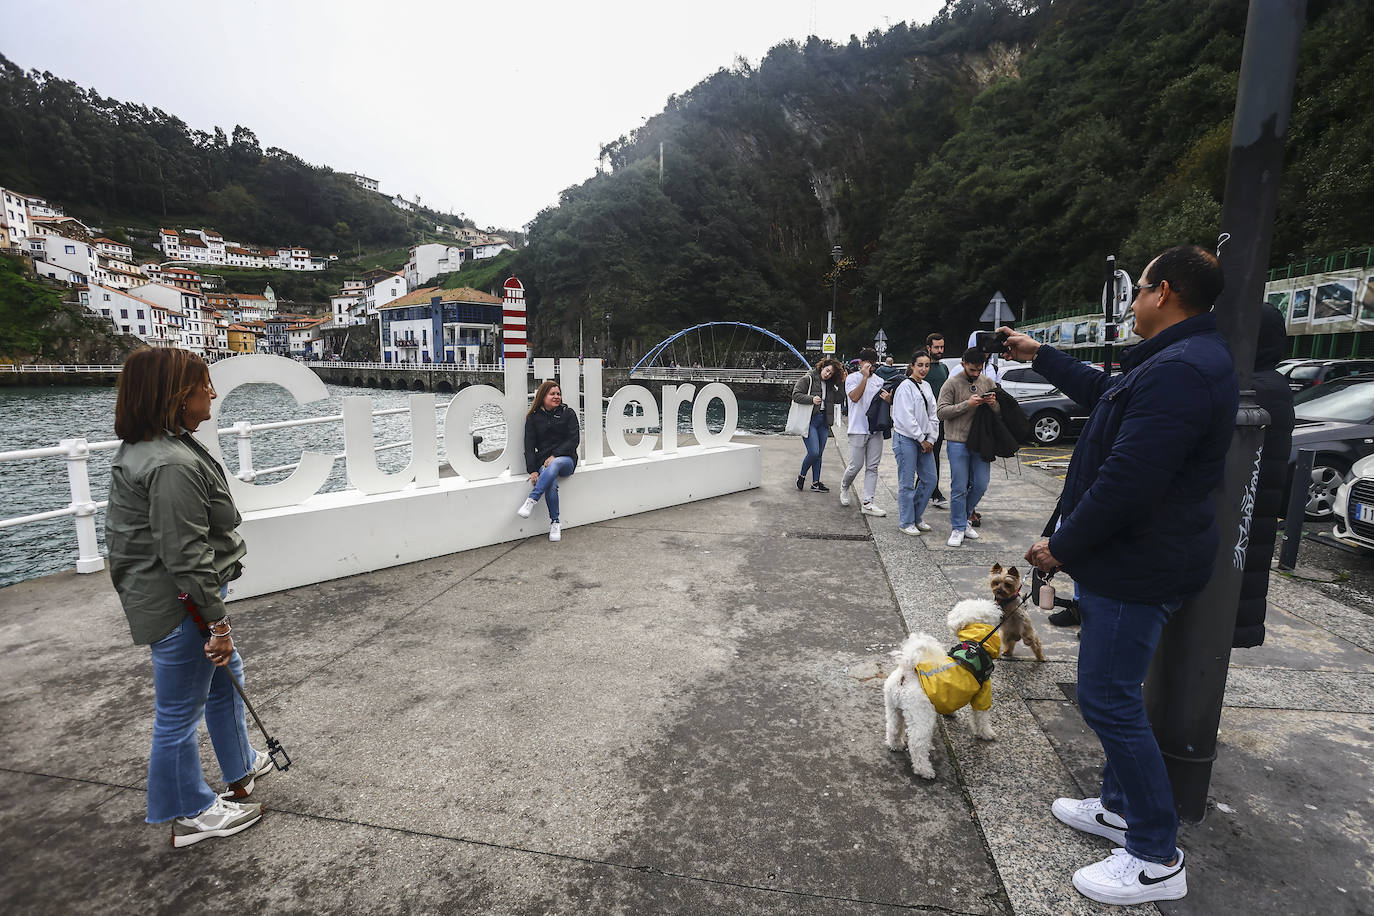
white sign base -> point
(332, 535)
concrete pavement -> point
(676, 712)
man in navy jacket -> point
(1137, 531)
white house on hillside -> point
(64, 259)
(189, 305)
(135, 315)
(428, 261)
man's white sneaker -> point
(555, 532)
(525, 509)
(1088, 815)
(870, 509)
(923, 526)
(1123, 879)
(844, 496)
(956, 537)
(972, 533)
(223, 818)
(911, 530)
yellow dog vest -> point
(949, 684)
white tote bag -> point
(799, 416)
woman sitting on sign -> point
(171, 531)
(551, 438)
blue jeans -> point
(186, 688)
(1116, 643)
(912, 495)
(548, 483)
(815, 440)
(968, 481)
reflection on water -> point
(41, 417)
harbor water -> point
(42, 417)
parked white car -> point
(1353, 506)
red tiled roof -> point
(462, 294)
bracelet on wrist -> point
(223, 623)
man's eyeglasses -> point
(1145, 287)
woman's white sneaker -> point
(1088, 815)
(911, 530)
(1122, 879)
(956, 537)
(555, 532)
(923, 526)
(242, 788)
(223, 818)
(971, 533)
(525, 510)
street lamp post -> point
(836, 255)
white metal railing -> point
(55, 368)
(665, 373)
(83, 509)
(444, 367)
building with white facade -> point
(483, 250)
(307, 338)
(363, 181)
(66, 259)
(135, 315)
(187, 310)
(429, 261)
(401, 202)
(441, 326)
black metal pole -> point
(1297, 510)
(1109, 314)
(1187, 679)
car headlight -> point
(1342, 499)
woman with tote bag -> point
(815, 398)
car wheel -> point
(1047, 427)
(1327, 477)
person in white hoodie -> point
(914, 432)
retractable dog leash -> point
(274, 748)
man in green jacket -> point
(938, 375)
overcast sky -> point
(488, 109)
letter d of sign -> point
(305, 386)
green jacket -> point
(170, 528)
(938, 375)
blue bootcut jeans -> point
(547, 485)
(912, 495)
(816, 438)
(188, 687)
(968, 481)
(1116, 642)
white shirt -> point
(858, 410)
(913, 411)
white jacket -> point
(913, 411)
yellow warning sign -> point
(828, 343)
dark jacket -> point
(550, 433)
(1137, 520)
(989, 437)
(1273, 394)
(812, 385)
(1012, 416)
(880, 410)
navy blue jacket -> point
(1137, 520)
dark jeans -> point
(1116, 643)
(938, 442)
(815, 440)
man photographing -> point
(1137, 531)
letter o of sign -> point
(703, 434)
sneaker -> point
(1088, 815)
(819, 487)
(555, 532)
(525, 509)
(938, 501)
(911, 530)
(1123, 879)
(923, 526)
(801, 482)
(972, 534)
(870, 509)
(223, 818)
(975, 520)
(844, 496)
(242, 788)
(956, 537)
(1068, 617)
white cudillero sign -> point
(297, 535)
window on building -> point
(123, 313)
(70, 249)
(140, 313)
(107, 297)
(142, 329)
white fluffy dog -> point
(928, 683)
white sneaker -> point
(870, 509)
(555, 532)
(844, 496)
(972, 533)
(525, 509)
(242, 788)
(911, 530)
(1123, 879)
(956, 537)
(223, 818)
(1088, 815)
(923, 526)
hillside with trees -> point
(1008, 144)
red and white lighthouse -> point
(513, 321)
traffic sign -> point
(813, 346)
(828, 344)
(997, 312)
